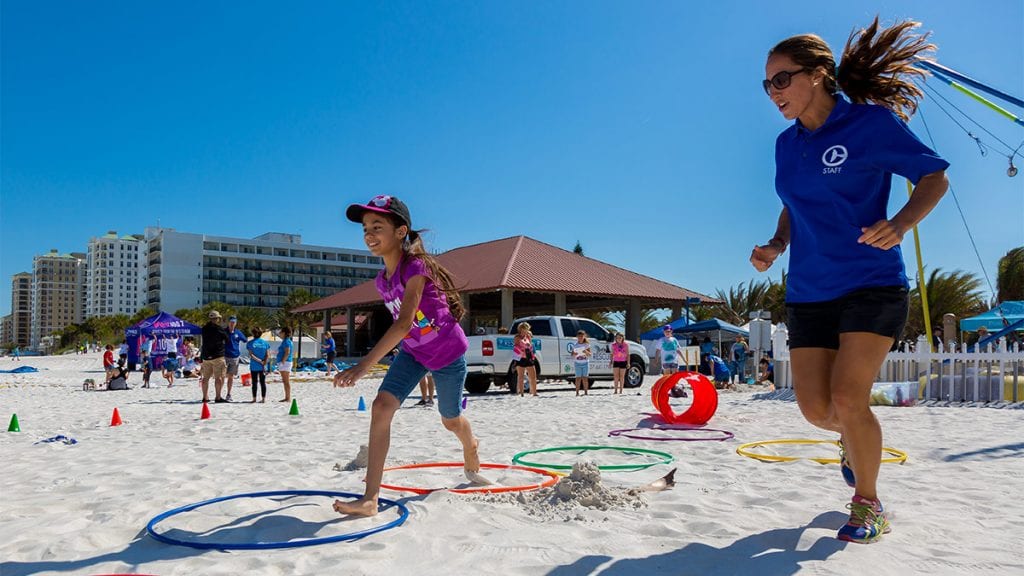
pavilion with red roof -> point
(520, 276)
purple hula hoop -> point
(726, 435)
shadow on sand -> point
(770, 553)
(1004, 451)
(143, 550)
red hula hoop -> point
(705, 398)
(551, 479)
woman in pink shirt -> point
(620, 362)
(522, 356)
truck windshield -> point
(539, 327)
(594, 332)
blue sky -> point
(639, 129)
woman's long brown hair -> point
(877, 64)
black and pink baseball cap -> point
(381, 205)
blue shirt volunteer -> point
(257, 349)
(833, 182)
(235, 337)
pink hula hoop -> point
(726, 435)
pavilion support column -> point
(559, 304)
(350, 335)
(327, 320)
(677, 310)
(506, 307)
(467, 320)
(633, 319)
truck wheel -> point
(634, 374)
(512, 379)
(477, 384)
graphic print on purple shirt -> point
(435, 339)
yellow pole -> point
(922, 286)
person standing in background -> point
(232, 353)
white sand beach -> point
(956, 504)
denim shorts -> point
(881, 311)
(582, 369)
(405, 374)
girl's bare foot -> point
(471, 457)
(263, 401)
(362, 507)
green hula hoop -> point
(666, 458)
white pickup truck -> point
(489, 357)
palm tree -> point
(741, 300)
(249, 318)
(295, 320)
(1010, 277)
(956, 293)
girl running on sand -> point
(421, 296)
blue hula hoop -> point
(384, 505)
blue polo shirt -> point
(234, 339)
(835, 181)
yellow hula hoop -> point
(896, 456)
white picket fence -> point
(992, 374)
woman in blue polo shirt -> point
(846, 293)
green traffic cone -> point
(295, 408)
(14, 426)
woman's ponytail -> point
(877, 66)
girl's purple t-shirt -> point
(435, 339)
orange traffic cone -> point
(115, 418)
(206, 412)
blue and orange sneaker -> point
(867, 523)
(844, 466)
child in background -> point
(422, 298)
(259, 355)
(169, 367)
(620, 362)
(189, 369)
(720, 371)
(522, 355)
(330, 352)
(581, 360)
(427, 388)
(108, 363)
(667, 347)
(766, 374)
(284, 362)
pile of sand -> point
(580, 489)
(358, 463)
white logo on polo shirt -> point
(834, 156)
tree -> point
(1010, 276)
(956, 293)
(295, 320)
(141, 314)
(578, 248)
(741, 300)
(249, 318)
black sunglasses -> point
(780, 81)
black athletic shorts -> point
(882, 310)
(331, 356)
(524, 362)
(621, 364)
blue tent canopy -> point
(162, 324)
(680, 327)
(1010, 311)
